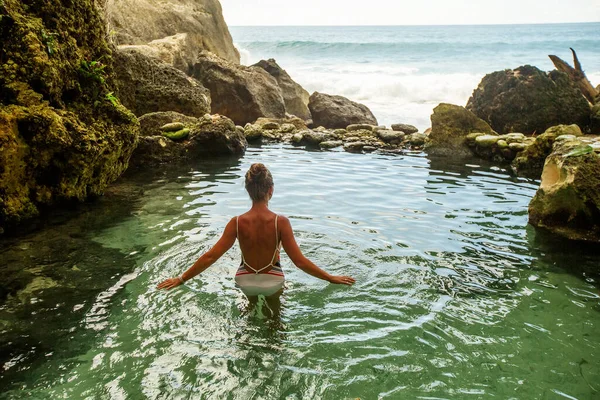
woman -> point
(260, 233)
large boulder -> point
(450, 126)
(530, 162)
(294, 96)
(137, 22)
(528, 100)
(338, 112)
(175, 50)
(242, 93)
(146, 85)
(63, 135)
(568, 200)
(211, 135)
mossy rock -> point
(568, 199)
(528, 100)
(450, 129)
(63, 136)
(178, 135)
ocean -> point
(402, 72)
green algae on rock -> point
(62, 137)
(177, 135)
(450, 126)
(530, 162)
(568, 200)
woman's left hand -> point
(169, 283)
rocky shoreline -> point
(81, 105)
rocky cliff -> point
(172, 28)
(64, 136)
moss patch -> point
(63, 136)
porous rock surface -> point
(145, 85)
(528, 100)
(241, 93)
(63, 137)
(338, 112)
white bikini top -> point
(273, 259)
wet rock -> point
(354, 147)
(486, 140)
(450, 126)
(145, 85)
(152, 124)
(137, 22)
(338, 112)
(287, 128)
(294, 96)
(340, 131)
(408, 129)
(417, 139)
(241, 93)
(369, 149)
(271, 125)
(391, 136)
(330, 144)
(568, 200)
(528, 100)
(530, 162)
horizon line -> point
(414, 25)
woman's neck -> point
(260, 205)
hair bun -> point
(258, 181)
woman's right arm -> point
(293, 251)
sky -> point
(414, 12)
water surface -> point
(456, 296)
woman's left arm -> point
(207, 259)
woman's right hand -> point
(342, 280)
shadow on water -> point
(52, 269)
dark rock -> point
(146, 85)
(408, 129)
(63, 136)
(450, 126)
(354, 147)
(528, 100)
(241, 93)
(209, 136)
(568, 200)
(338, 112)
(294, 95)
(595, 118)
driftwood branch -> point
(577, 76)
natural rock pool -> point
(456, 296)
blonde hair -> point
(258, 182)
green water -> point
(456, 297)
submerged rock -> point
(147, 85)
(294, 95)
(528, 100)
(241, 93)
(64, 136)
(568, 200)
(338, 112)
(450, 126)
(137, 22)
